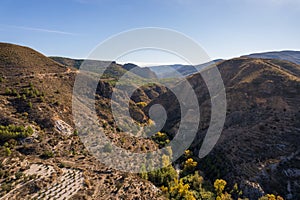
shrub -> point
(24, 97)
(75, 132)
(7, 151)
(8, 91)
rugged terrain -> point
(36, 92)
(258, 148)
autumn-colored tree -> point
(271, 197)
(189, 166)
(194, 180)
(187, 153)
(179, 190)
(219, 186)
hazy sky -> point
(224, 28)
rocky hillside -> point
(41, 154)
(258, 148)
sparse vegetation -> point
(260, 126)
(14, 132)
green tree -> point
(165, 175)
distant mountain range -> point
(179, 70)
(292, 56)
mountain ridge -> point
(288, 55)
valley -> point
(43, 155)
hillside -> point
(258, 148)
(41, 154)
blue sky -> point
(224, 28)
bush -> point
(8, 91)
(75, 132)
(7, 151)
